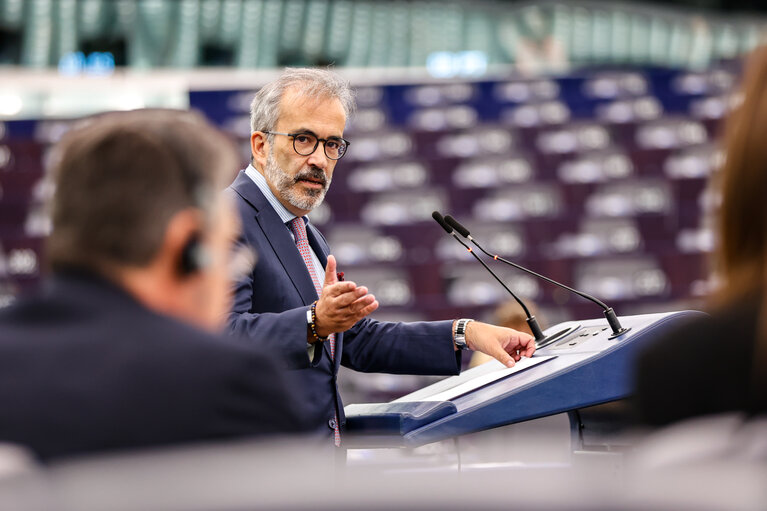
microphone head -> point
(441, 221)
(452, 222)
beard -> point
(287, 185)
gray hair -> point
(321, 83)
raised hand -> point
(341, 304)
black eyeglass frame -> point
(318, 140)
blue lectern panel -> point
(584, 368)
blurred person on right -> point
(718, 364)
(119, 349)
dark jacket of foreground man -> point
(85, 368)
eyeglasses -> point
(306, 143)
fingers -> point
(357, 305)
(501, 356)
(341, 304)
(522, 345)
(529, 348)
(368, 309)
(330, 272)
(348, 316)
(347, 298)
(338, 289)
(352, 302)
(506, 345)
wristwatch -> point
(459, 333)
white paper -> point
(481, 381)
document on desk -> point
(483, 380)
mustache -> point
(312, 173)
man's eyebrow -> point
(310, 132)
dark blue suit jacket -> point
(84, 368)
(270, 309)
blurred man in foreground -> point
(118, 351)
(294, 302)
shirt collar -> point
(258, 178)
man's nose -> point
(318, 157)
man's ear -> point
(258, 149)
(181, 251)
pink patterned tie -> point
(298, 227)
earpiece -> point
(194, 257)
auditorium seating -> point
(597, 179)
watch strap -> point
(459, 333)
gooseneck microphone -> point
(531, 321)
(612, 318)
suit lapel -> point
(318, 244)
(278, 236)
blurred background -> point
(575, 138)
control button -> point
(595, 333)
(605, 328)
(573, 343)
(332, 424)
(584, 334)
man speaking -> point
(292, 303)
